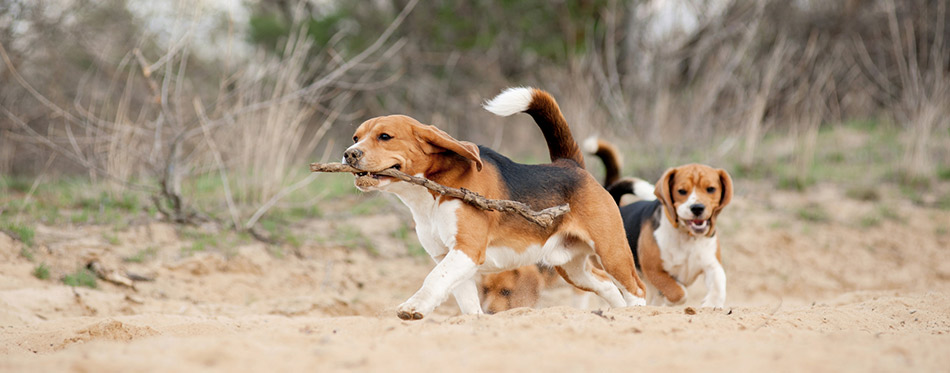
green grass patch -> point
(351, 237)
(20, 232)
(943, 202)
(82, 277)
(813, 213)
(413, 247)
(80, 217)
(276, 251)
(68, 200)
(888, 213)
(365, 207)
(792, 182)
(26, 253)
(224, 241)
(867, 193)
(142, 256)
(915, 182)
(943, 173)
(41, 271)
(333, 186)
(200, 241)
(911, 193)
(111, 238)
(16, 184)
(869, 221)
(300, 212)
(278, 226)
(195, 247)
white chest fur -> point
(437, 226)
(684, 256)
(436, 223)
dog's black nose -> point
(352, 155)
(697, 209)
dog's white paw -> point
(707, 303)
(409, 311)
(637, 301)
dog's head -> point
(401, 142)
(520, 287)
(694, 195)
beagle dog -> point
(520, 287)
(464, 240)
(672, 229)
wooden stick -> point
(543, 218)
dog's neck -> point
(416, 197)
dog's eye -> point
(485, 289)
(710, 190)
(682, 192)
(356, 139)
(384, 136)
(505, 292)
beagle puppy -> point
(464, 240)
(520, 287)
(672, 229)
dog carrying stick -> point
(543, 218)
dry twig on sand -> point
(543, 218)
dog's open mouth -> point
(698, 225)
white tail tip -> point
(643, 190)
(510, 101)
(590, 145)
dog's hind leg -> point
(579, 272)
(617, 260)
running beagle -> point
(464, 240)
(672, 230)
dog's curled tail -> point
(608, 154)
(542, 107)
(638, 187)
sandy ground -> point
(865, 286)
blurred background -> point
(210, 110)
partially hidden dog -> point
(520, 287)
(672, 229)
(464, 240)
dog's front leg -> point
(466, 295)
(456, 269)
(715, 278)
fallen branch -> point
(110, 275)
(543, 218)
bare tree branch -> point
(77, 158)
(544, 218)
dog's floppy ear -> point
(664, 192)
(726, 186)
(441, 142)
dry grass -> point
(721, 94)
